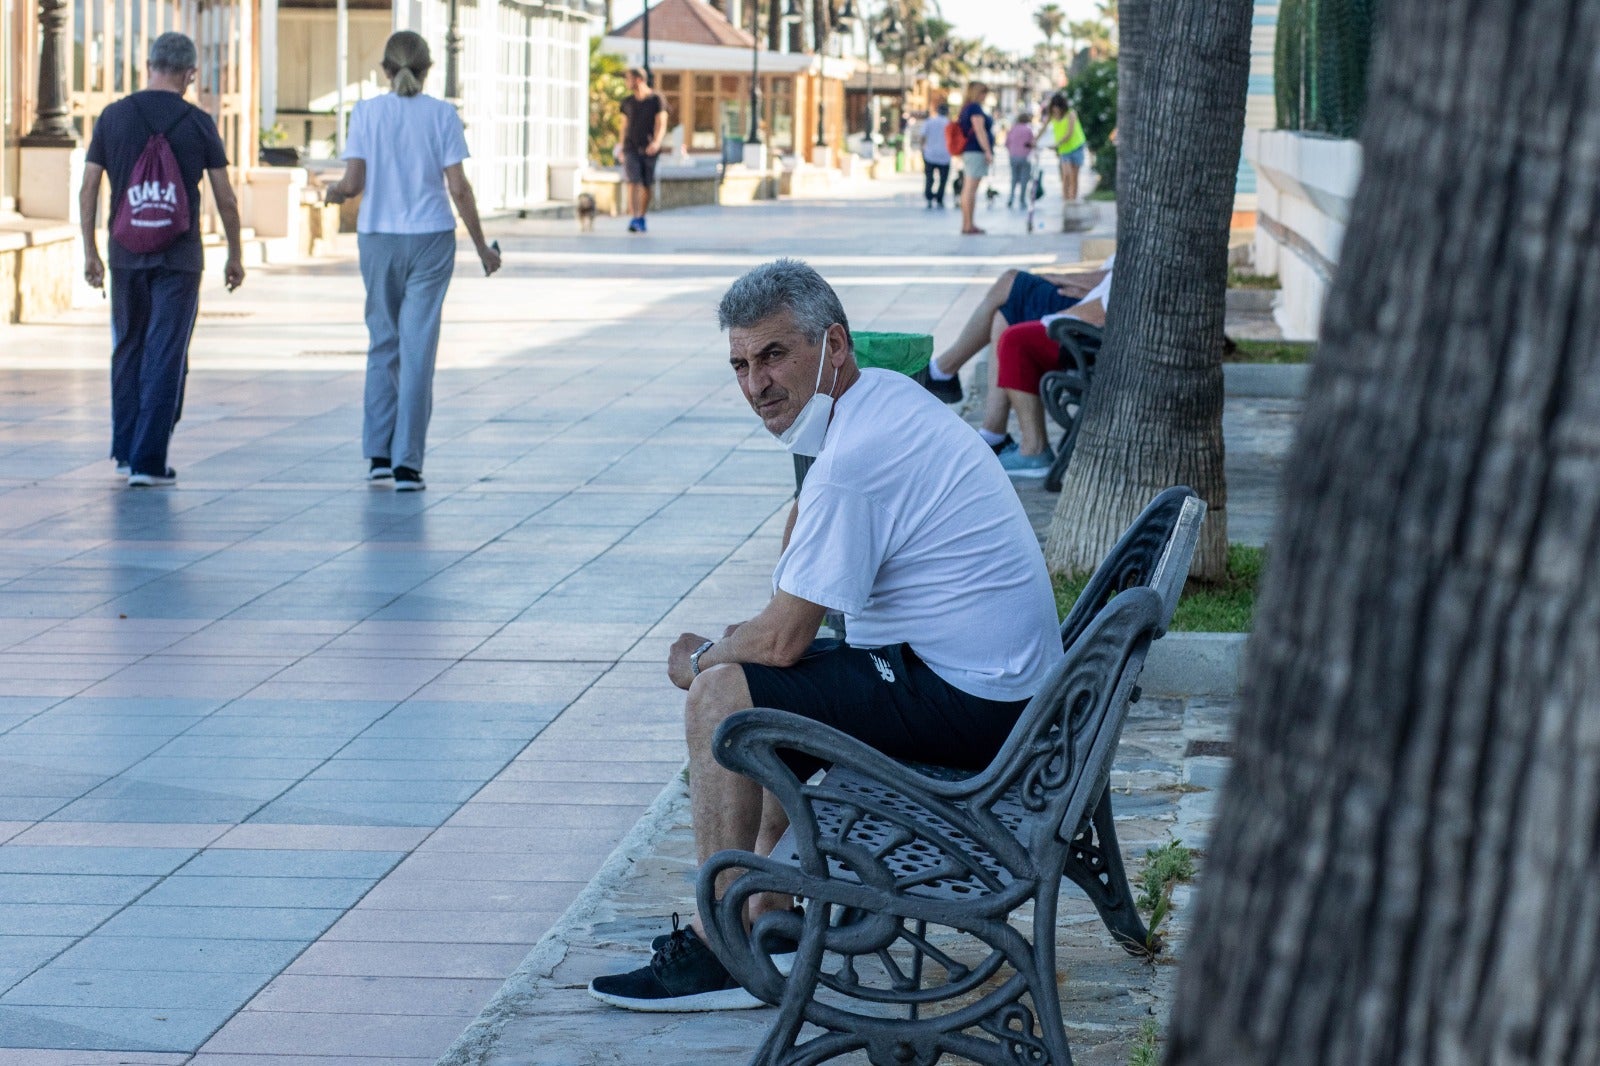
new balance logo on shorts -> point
(885, 671)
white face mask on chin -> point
(810, 427)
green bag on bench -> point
(906, 353)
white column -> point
(269, 64)
(341, 48)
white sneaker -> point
(123, 470)
(145, 481)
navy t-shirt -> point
(119, 139)
(970, 114)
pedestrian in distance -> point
(644, 128)
(154, 146)
(935, 156)
(977, 153)
(1019, 146)
(1066, 133)
(403, 152)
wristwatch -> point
(694, 657)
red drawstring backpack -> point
(155, 210)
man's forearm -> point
(88, 207)
(229, 214)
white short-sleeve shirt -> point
(406, 142)
(909, 526)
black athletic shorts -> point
(888, 699)
(638, 168)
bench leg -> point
(1094, 862)
(1058, 468)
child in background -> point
(1019, 146)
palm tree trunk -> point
(1154, 415)
(1406, 867)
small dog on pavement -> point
(586, 213)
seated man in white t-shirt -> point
(906, 524)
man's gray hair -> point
(783, 285)
(172, 53)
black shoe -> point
(781, 948)
(1002, 444)
(683, 975)
(380, 469)
(408, 480)
(948, 391)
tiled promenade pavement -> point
(293, 769)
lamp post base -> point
(755, 156)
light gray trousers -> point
(406, 276)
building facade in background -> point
(520, 79)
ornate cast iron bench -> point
(1063, 391)
(881, 851)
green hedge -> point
(1093, 94)
(1320, 72)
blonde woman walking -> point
(404, 151)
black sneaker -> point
(380, 469)
(782, 948)
(948, 391)
(683, 975)
(408, 480)
(1002, 444)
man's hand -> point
(233, 273)
(679, 670)
(94, 271)
(334, 196)
(653, 148)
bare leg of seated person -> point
(728, 811)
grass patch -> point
(1226, 607)
(1103, 196)
(1238, 279)
(1146, 1050)
(1269, 352)
(1165, 866)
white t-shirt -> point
(934, 150)
(406, 141)
(1101, 292)
(908, 525)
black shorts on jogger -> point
(888, 699)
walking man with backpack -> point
(154, 146)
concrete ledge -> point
(1193, 664)
(1251, 301)
(1268, 381)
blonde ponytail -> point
(406, 60)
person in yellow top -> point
(1067, 133)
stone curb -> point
(521, 989)
(1193, 664)
(1266, 381)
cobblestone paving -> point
(546, 1018)
(294, 770)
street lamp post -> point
(755, 74)
(648, 79)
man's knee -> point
(716, 693)
(1002, 286)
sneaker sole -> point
(409, 486)
(1029, 474)
(143, 481)
(701, 1002)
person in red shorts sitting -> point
(1024, 353)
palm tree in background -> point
(1051, 21)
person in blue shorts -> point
(1016, 296)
